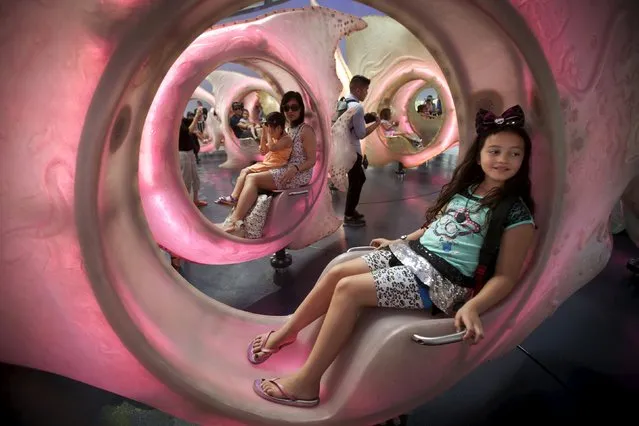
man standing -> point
(359, 130)
(195, 134)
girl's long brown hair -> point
(470, 173)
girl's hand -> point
(380, 243)
(263, 149)
(468, 317)
(290, 173)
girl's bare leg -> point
(350, 295)
(314, 305)
(239, 185)
(252, 184)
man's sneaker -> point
(358, 215)
(353, 221)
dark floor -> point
(582, 363)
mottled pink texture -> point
(84, 294)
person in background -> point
(194, 135)
(296, 173)
(188, 165)
(259, 112)
(359, 130)
(434, 266)
(242, 130)
(276, 146)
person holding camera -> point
(188, 165)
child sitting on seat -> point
(438, 265)
(390, 129)
(276, 146)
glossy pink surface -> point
(84, 292)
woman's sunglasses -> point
(294, 108)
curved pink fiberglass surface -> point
(85, 294)
(174, 221)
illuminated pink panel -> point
(54, 312)
(174, 221)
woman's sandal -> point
(227, 200)
(286, 399)
(252, 356)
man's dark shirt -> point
(235, 120)
(186, 138)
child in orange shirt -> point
(277, 147)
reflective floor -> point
(581, 363)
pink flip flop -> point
(252, 356)
(287, 400)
